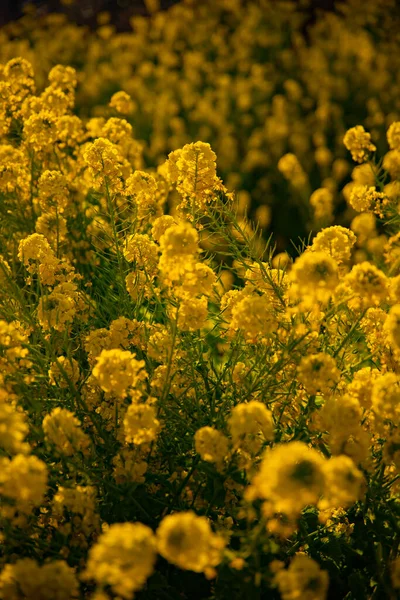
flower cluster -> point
(176, 394)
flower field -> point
(200, 305)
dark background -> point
(85, 11)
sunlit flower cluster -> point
(177, 394)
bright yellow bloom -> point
(188, 542)
(142, 251)
(56, 310)
(122, 103)
(160, 226)
(251, 425)
(118, 371)
(103, 158)
(336, 241)
(318, 372)
(364, 198)
(291, 476)
(361, 386)
(123, 558)
(343, 483)
(13, 428)
(63, 76)
(33, 248)
(392, 326)
(314, 274)
(53, 191)
(211, 444)
(368, 282)
(358, 141)
(180, 240)
(40, 131)
(193, 170)
(140, 423)
(393, 136)
(386, 396)
(192, 313)
(24, 480)
(254, 317)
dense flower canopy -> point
(185, 410)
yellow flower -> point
(192, 313)
(26, 579)
(80, 502)
(160, 226)
(23, 479)
(391, 449)
(361, 386)
(392, 326)
(122, 103)
(140, 423)
(303, 579)
(318, 372)
(336, 241)
(53, 227)
(386, 396)
(63, 430)
(198, 282)
(117, 131)
(179, 240)
(343, 483)
(211, 444)
(364, 226)
(56, 101)
(13, 428)
(117, 371)
(254, 317)
(56, 311)
(123, 558)
(127, 332)
(129, 466)
(103, 158)
(188, 542)
(80, 499)
(314, 274)
(292, 170)
(64, 371)
(291, 476)
(393, 136)
(33, 248)
(358, 141)
(142, 251)
(53, 191)
(40, 130)
(142, 186)
(179, 249)
(63, 76)
(391, 164)
(251, 425)
(322, 202)
(368, 282)
(193, 170)
(364, 198)
(340, 416)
